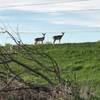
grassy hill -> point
(78, 60)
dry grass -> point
(60, 92)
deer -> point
(58, 37)
(41, 39)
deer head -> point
(63, 33)
(43, 34)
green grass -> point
(76, 59)
(81, 59)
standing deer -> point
(41, 39)
(58, 37)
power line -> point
(45, 3)
(32, 4)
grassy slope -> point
(82, 60)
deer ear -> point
(63, 32)
(43, 33)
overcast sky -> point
(80, 19)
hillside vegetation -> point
(78, 61)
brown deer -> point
(58, 37)
(41, 39)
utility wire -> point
(47, 3)
(32, 4)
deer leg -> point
(35, 42)
(59, 40)
(42, 42)
(54, 41)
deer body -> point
(41, 39)
(58, 37)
